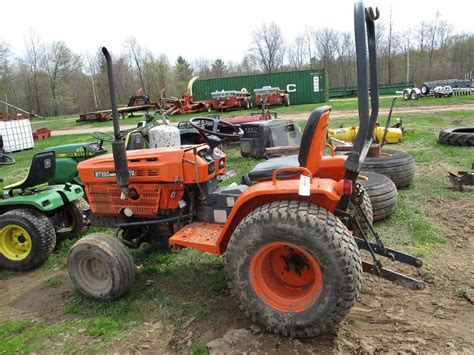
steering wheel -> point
(103, 137)
(214, 136)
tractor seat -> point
(42, 170)
(134, 141)
(264, 170)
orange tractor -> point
(291, 242)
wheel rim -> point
(286, 277)
(15, 242)
(93, 274)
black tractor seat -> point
(264, 170)
(42, 170)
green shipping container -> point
(304, 87)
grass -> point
(187, 288)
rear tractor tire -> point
(27, 238)
(101, 267)
(293, 268)
(77, 221)
(461, 136)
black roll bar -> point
(364, 29)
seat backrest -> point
(42, 170)
(134, 141)
(314, 139)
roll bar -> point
(364, 29)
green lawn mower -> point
(34, 214)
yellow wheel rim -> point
(15, 242)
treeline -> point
(50, 79)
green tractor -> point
(34, 214)
(69, 155)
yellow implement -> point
(394, 134)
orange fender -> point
(324, 192)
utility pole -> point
(408, 60)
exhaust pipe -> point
(118, 145)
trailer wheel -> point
(425, 89)
(293, 268)
(27, 238)
(382, 193)
(462, 136)
(76, 219)
(100, 266)
(413, 95)
(406, 94)
(395, 164)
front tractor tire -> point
(101, 267)
(293, 268)
(27, 238)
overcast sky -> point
(200, 28)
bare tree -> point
(60, 62)
(136, 55)
(202, 67)
(34, 59)
(298, 53)
(325, 42)
(268, 47)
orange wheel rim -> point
(286, 277)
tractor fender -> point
(70, 194)
(323, 192)
(44, 201)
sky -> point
(201, 28)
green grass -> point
(180, 289)
(53, 282)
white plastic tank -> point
(164, 136)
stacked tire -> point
(382, 193)
(395, 164)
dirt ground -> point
(296, 116)
(386, 318)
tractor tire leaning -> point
(463, 136)
(101, 267)
(382, 193)
(77, 219)
(27, 238)
(395, 164)
(293, 268)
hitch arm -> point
(395, 277)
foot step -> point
(200, 236)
